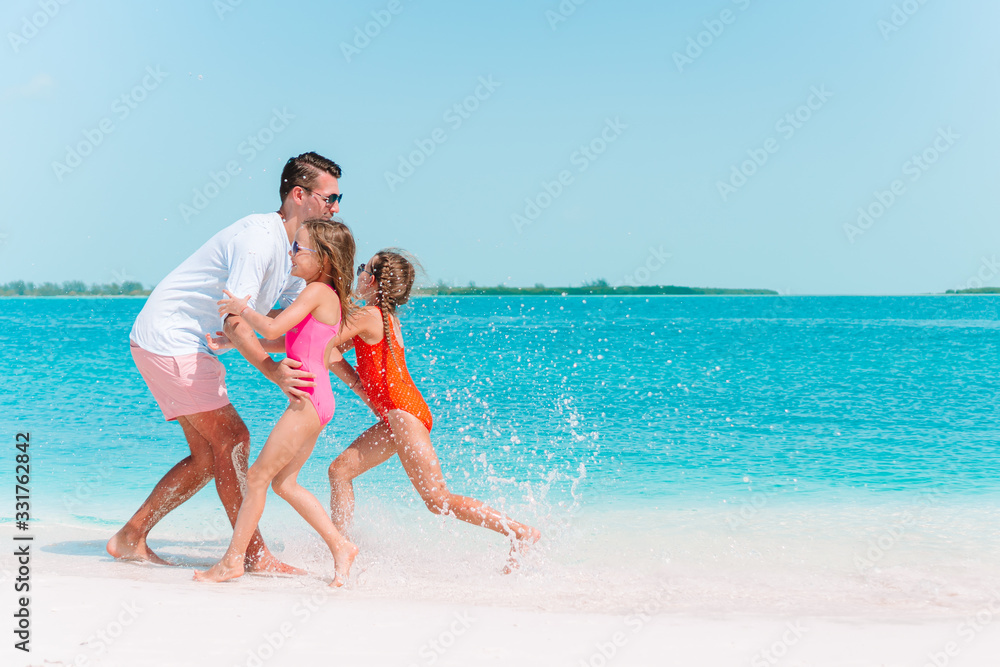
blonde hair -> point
(334, 245)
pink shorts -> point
(184, 385)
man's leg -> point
(229, 440)
(180, 483)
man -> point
(170, 349)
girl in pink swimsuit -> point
(323, 255)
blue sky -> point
(606, 142)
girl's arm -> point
(273, 328)
(343, 370)
(366, 323)
(220, 342)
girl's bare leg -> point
(373, 447)
(286, 485)
(297, 425)
(413, 444)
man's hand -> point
(283, 373)
(289, 379)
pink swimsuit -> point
(306, 342)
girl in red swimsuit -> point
(384, 282)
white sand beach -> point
(90, 610)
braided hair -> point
(394, 273)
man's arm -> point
(276, 346)
(283, 373)
(248, 265)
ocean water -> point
(724, 454)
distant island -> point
(73, 288)
(975, 290)
(596, 288)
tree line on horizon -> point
(73, 288)
(596, 287)
(134, 288)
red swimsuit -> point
(387, 384)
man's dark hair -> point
(303, 170)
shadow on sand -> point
(97, 548)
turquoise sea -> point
(737, 453)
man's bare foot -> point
(519, 548)
(122, 547)
(343, 558)
(268, 564)
(222, 571)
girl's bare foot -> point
(343, 558)
(125, 547)
(520, 547)
(222, 571)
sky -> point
(810, 148)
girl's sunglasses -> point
(296, 248)
(361, 269)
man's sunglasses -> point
(330, 201)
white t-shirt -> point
(248, 257)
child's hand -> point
(218, 342)
(232, 305)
